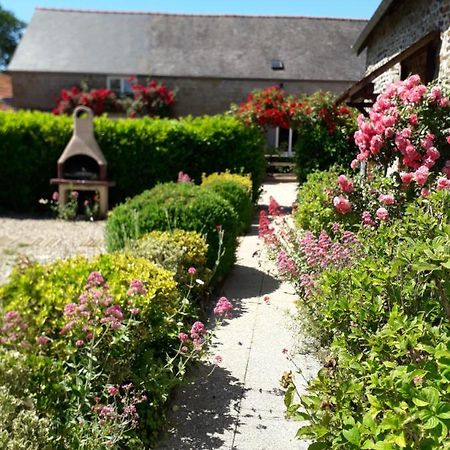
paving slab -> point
(247, 411)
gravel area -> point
(45, 240)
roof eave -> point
(361, 42)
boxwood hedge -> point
(177, 205)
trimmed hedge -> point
(140, 152)
(177, 205)
(237, 189)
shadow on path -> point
(206, 411)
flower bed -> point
(91, 349)
(376, 298)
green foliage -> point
(140, 152)
(386, 321)
(142, 352)
(10, 33)
(177, 205)
(314, 210)
(325, 134)
(237, 189)
(41, 291)
(177, 251)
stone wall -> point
(406, 22)
(196, 96)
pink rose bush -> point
(404, 145)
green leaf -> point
(374, 401)
(352, 436)
(400, 440)
(431, 394)
(431, 423)
(319, 446)
(423, 266)
(419, 402)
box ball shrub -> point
(177, 251)
(177, 205)
(237, 189)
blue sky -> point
(360, 9)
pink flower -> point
(444, 102)
(382, 214)
(387, 199)
(406, 177)
(183, 337)
(55, 196)
(183, 177)
(344, 184)
(355, 163)
(421, 175)
(74, 194)
(342, 205)
(435, 94)
(134, 311)
(442, 183)
(192, 271)
(79, 343)
(367, 219)
(198, 329)
(223, 307)
(136, 288)
(95, 279)
(113, 391)
(448, 139)
(217, 359)
(42, 340)
(413, 120)
(425, 192)
(266, 299)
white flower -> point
(200, 282)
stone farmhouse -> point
(402, 37)
(210, 60)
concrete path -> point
(240, 405)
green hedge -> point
(235, 189)
(177, 205)
(140, 152)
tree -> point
(11, 29)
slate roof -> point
(176, 45)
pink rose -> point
(425, 192)
(355, 163)
(406, 177)
(387, 199)
(442, 183)
(421, 175)
(382, 214)
(342, 205)
(344, 184)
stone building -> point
(210, 60)
(403, 37)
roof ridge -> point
(144, 13)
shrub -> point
(152, 150)
(99, 100)
(73, 355)
(324, 134)
(177, 205)
(237, 189)
(41, 291)
(178, 251)
(314, 210)
(386, 321)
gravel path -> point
(45, 240)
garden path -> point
(240, 405)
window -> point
(282, 139)
(119, 85)
(424, 62)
